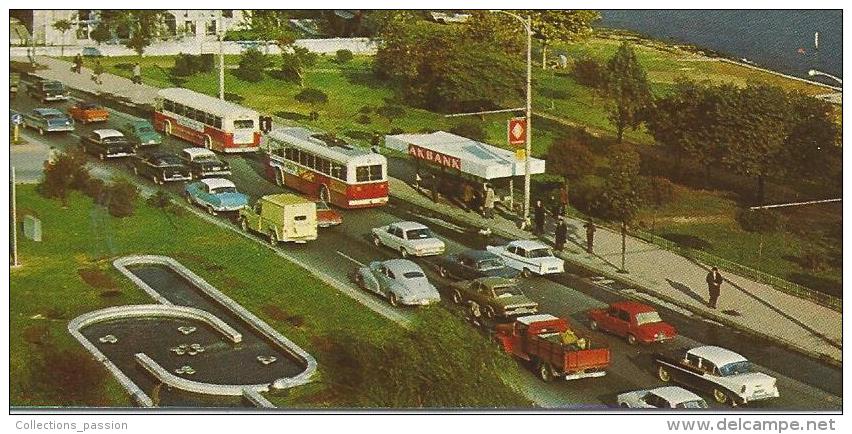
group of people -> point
(98, 70)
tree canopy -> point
(627, 89)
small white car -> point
(400, 281)
(529, 257)
(661, 397)
(409, 239)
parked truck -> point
(281, 217)
(549, 346)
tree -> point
(551, 26)
(627, 88)
(570, 158)
(121, 198)
(252, 65)
(63, 173)
(101, 33)
(295, 60)
(813, 144)
(63, 26)
(622, 188)
(271, 26)
(138, 28)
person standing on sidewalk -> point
(714, 286)
(78, 63)
(561, 234)
(563, 198)
(418, 181)
(590, 236)
(489, 201)
(137, 73)
(538, 213)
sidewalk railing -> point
(783, 285)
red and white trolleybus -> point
(206, 121)
(327, 168)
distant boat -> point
(816, 41)
(744, 60)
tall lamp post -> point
(221, 33)
(527, 23)
(814, 72)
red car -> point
(86, 112)
(327, 217)
(635, 321)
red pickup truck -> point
(541, 341)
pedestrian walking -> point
(78, 63)
(561, 234)
(97, 71)
(563, 198)
(714, 286)
(137, 73)
(490, 198)
(538, 214)
(418, 181)
(434, 188)
(590, 236)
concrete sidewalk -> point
(744, 304)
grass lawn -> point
(70, 273)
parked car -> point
(548, 344)
(91, 52)
(728, 376)
(48, 90)
(400, 281)
(140, 133)
(634, 321)
(106, 143)
(203, 162)
(281, 217)
(48, 120)
(86, 112)
(472, 264)
(661, 397)
(409, 239)
(215, 195)
(494, 297)
(530, 257)
(14, 82)
(327, 217)
(161, 167)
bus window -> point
(168, 105)
(338, 171)
(178, 109)
(243, 124)
(217, 122)
(309, 161)
(324, 166)
(368, 173)
(376, 172)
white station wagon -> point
(530, 257)
(661, 397)
(409, 239)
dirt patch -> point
(110, 293)
(36, 334)
(233, 282)
(278, 314)
(97, 278)
(322, 344)
(56, 312)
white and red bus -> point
(206, 121)
(327, 168)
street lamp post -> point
(814, 72)
(221, 35)
(527, 23)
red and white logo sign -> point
(517, 131)
(434, 157)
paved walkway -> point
(743, 304)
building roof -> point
(529, 244)
(407, 226)
(104, 133)
(195, 152)
(324, 145)
(214, 183)
(674, 394)
(718, 355)
(214, 106)
(632, 307)
(529, 319)
(284, 199)
(466, 155)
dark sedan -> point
(473, 264)
(161, 167)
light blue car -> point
(215, 195)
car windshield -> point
(506, 291)
(114, 140)
(418, 234)
(648, 318)
(144, 129)
(206, 158)
(168, 160)
(53, 86)
(698, 403)
(736, 368)
(539, 253)
(491, 264)
(322, 206)
(222, 190)
(413, 274)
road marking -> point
(350, 258)
(443, 223)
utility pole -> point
(14, 216)
(221, 34)
(528, 146)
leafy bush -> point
(363, 119)
(312, 96)
(189, 64)
(470, 129)
(587, 195)
(396, 130)
(159, 200)
(252, 65)
(65, 172)
(122, 195)
(390, 111)
(343, 56)
(588, 72)
(365, 110)
(95, 189)
(313, 116)
(570, 158)
(657, 191)
(759, 220)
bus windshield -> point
(243, 124)
(368, 173)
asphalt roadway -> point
(805, 384)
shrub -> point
(343, 56)
(188, 64)
(570, 158)
(396, 130)
(95, 189)
(588, 72)
(587, 196)
(470, 129)
(122, 198)
(233, 97)
(252, 65)
(657, 191)
(65, 172)
(312, 96)
(363, 119)
(759, 220)
(390, 111)
(205, 62)
(159, 200)
(365, 110)
(313, 116)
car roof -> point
(718, 355)
(400, 266)
(107, 132)
(632, 307)
(194, 152)
(529, 319)
(492, 281)
(213, 183)
(284, 199)
(48, 111)
(478, 255)
(88, 104)
(406, 226)
(675, 394)
(528, 244)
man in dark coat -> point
(714, 286)
(590, 236)
(561, 234)
(538, 214)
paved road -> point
(805, 384)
